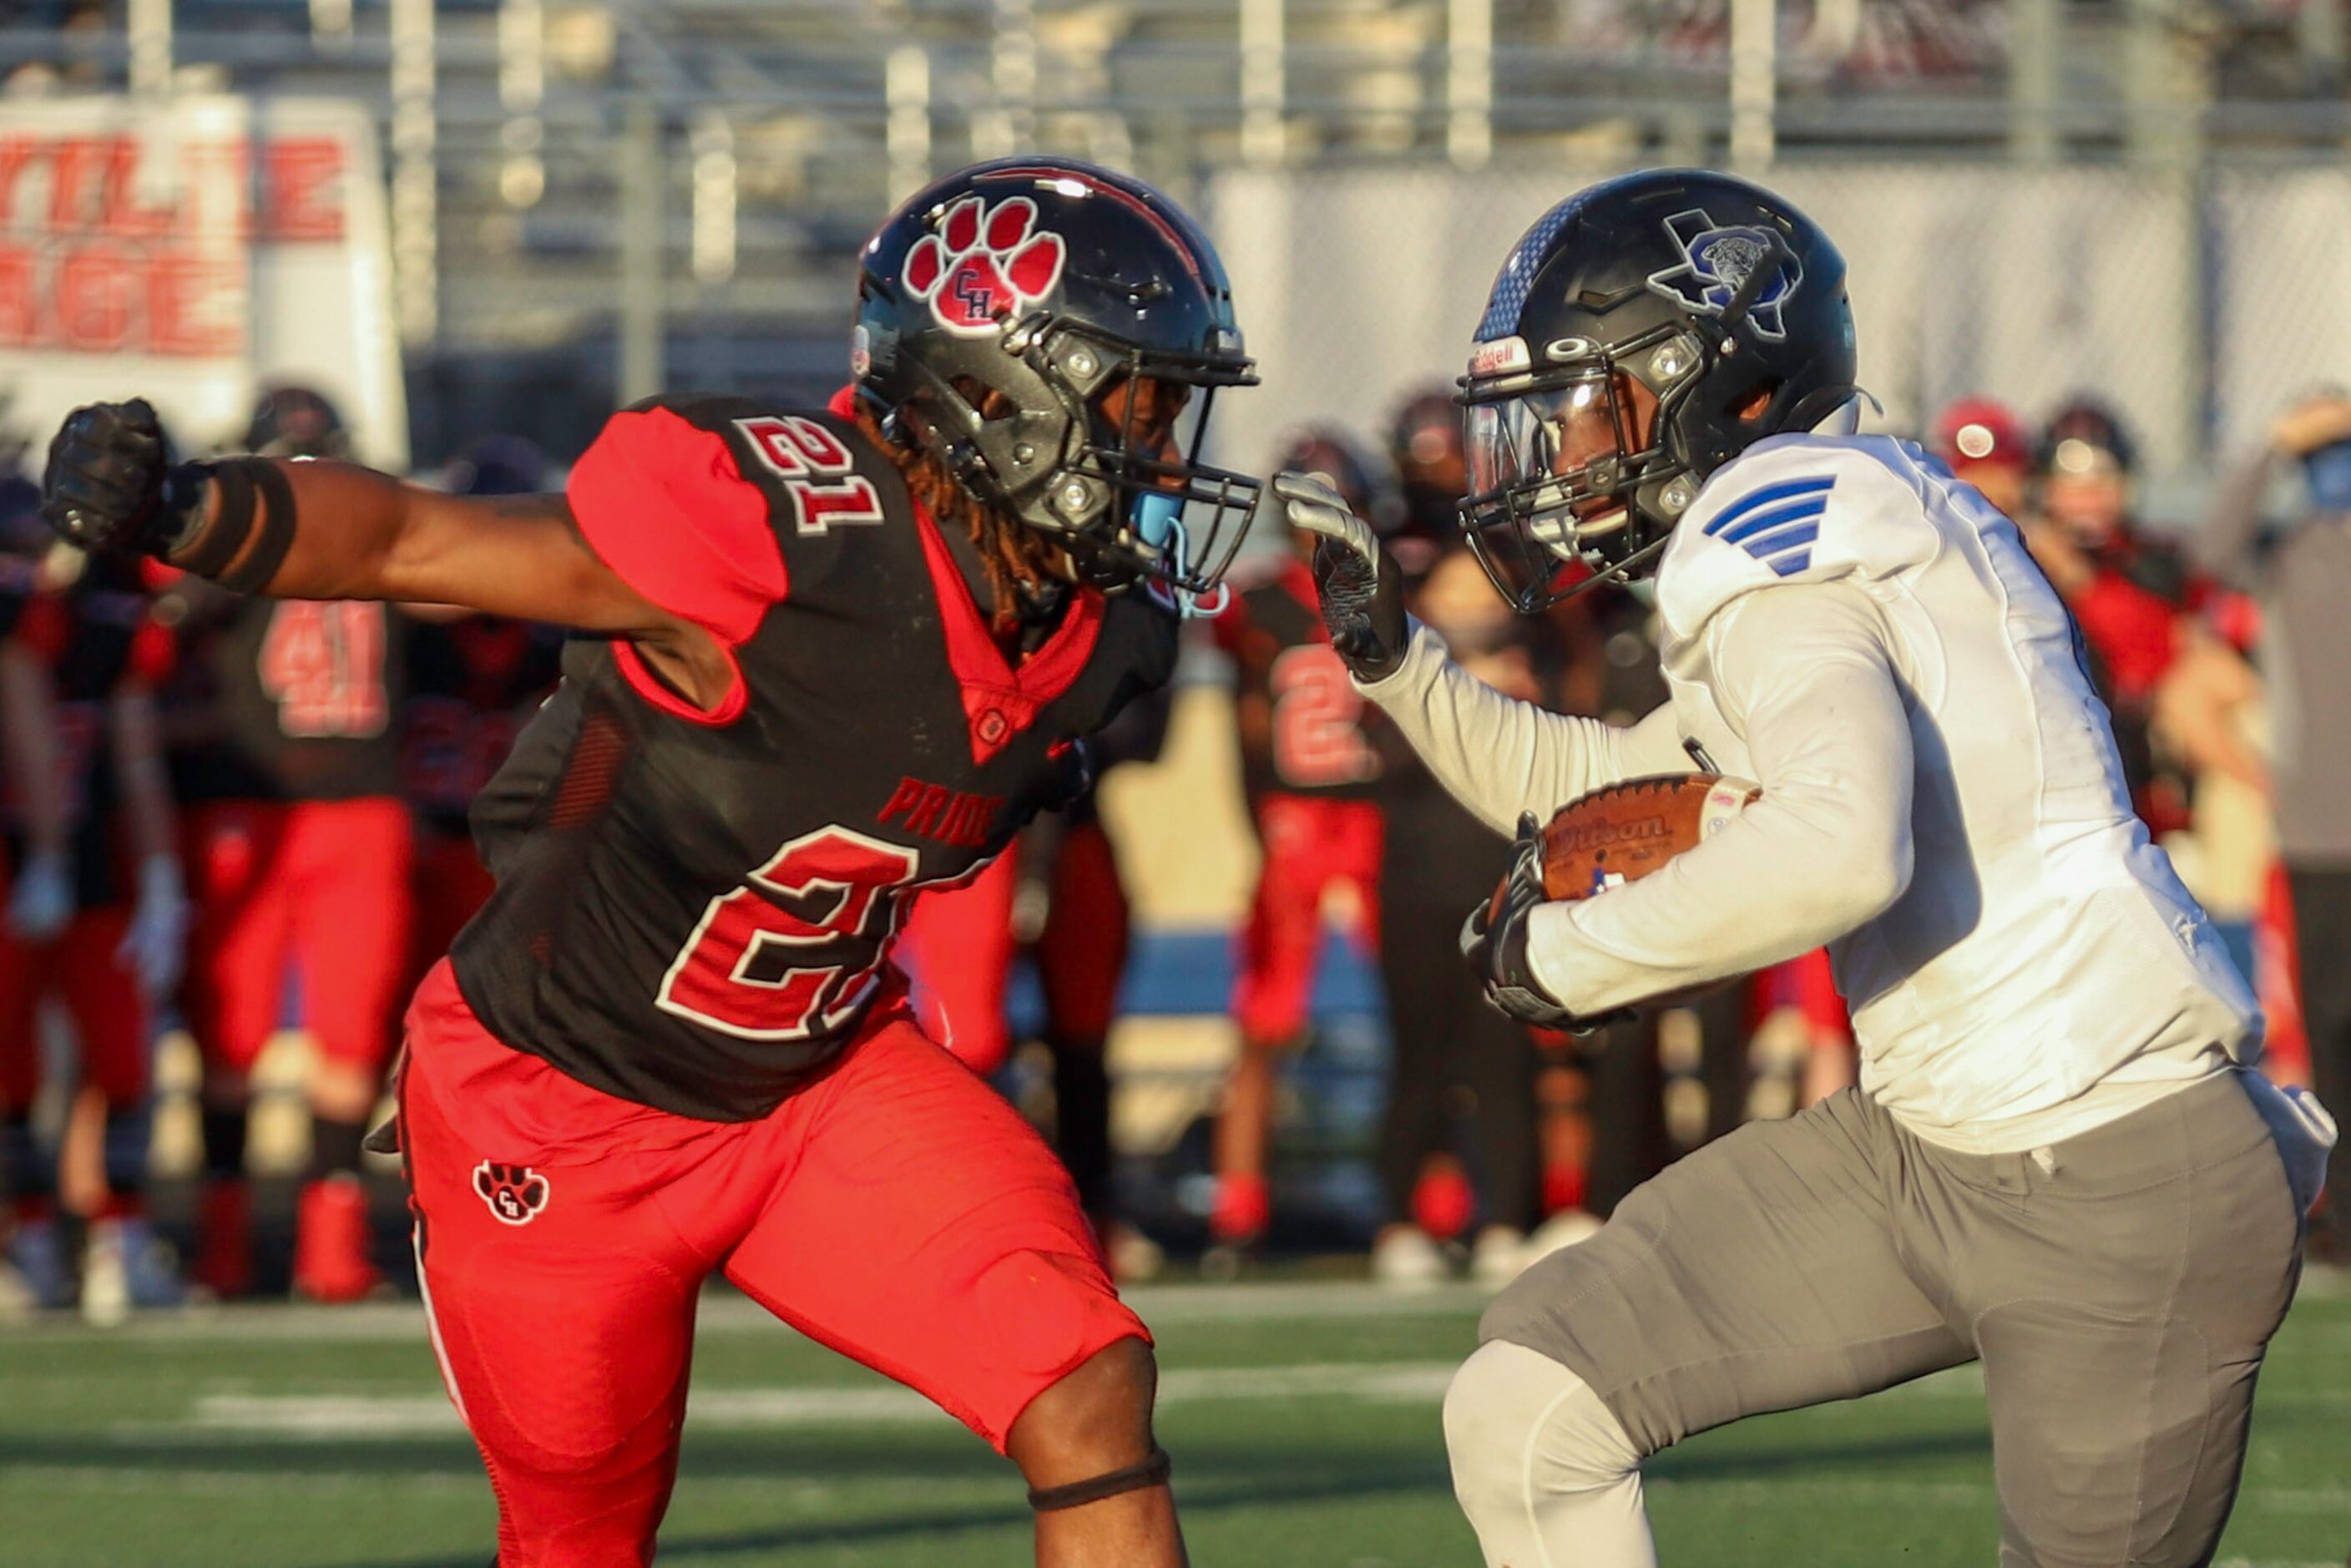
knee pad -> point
(1517, 1422)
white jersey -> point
(1865, 636)
(2043, 944)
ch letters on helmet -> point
(985, 264)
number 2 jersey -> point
(1301, 721)
(693, 908)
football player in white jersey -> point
(2058, 1160)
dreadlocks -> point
(1019, 561)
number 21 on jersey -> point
(815, 470)
(755, 966)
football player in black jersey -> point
(827, 658)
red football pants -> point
(321, 884)
(1310, 843)
(108, 1015)
(897, 1209)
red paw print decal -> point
(985, 264)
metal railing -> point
(566, 169)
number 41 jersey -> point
(693, 909)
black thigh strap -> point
(1152, 1471)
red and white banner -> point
(190, 252)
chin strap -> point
(1151, 1472)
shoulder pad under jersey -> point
(684, 496)
(1797, 508)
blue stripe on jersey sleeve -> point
(1787, 490)
(1766, 546)
(1789, 565)
(1758, 522)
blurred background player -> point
(97, 929)
(1431, 477)
(2127, 590)
(474, 681)
(1985, 444)
(2301, 575)
(1309, 771)
(286, 756)
(1463, 1081)
(1057, 892)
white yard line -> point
(1954, 1494)
(725, 1312)
(350, 1417)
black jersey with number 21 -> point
(693, 909)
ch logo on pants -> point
(515, 1193)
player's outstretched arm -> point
(335, 530)
(1496, 754)
(1807, 673)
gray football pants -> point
(2119, 1288)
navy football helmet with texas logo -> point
(1715, 298)
(997, 307)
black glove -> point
(1072, 776)
(1497, 950)
(1360, 589)
(110, 484)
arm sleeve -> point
(1827, 847)
(1499, 755)
(662, 503)
(2229, 545)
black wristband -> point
(253, 494)
(214, 544)
(276, 531)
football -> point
(1623, 831)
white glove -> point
(152, 947)
(43, 899)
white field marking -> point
(358, 1417)
(141, 1478)
(1955, 1494)
(724, 1312)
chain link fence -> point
(2194, 307)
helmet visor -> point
(1546, 468)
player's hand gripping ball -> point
(1600, 841)
(1622, 832)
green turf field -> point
(1303, 1419)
